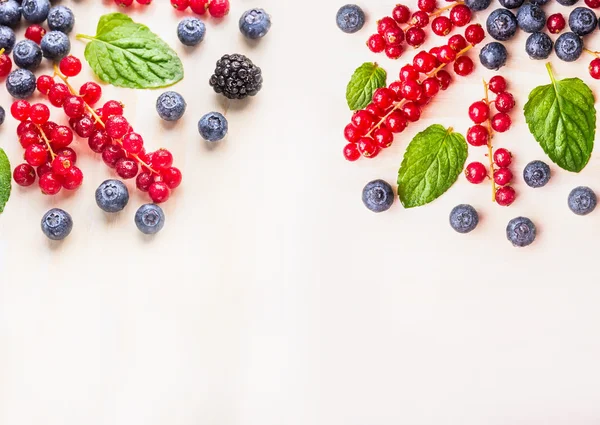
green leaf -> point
(5, 179)
(127, 54)
(433, 161)
(562, 118)
(366, 79)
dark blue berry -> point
(536, 174)
(57, 224)
(493, 55)
(539, 2)
(255, 23)
(511, 4)
(464, 218)
(191, 31)
(501, 24)
(112, 196)
(567, 2)
(531, 18)
(10, 13)
(55, 45)
(477, 5)
(582, 21)
(7, 39)
(213, 126)
(35, 11)
(520, 231)
(170, 106)
(2, 115)
(582, 200)
(538, 46)
(27, 54)
(20, 83)
(61, 18)
(568, 47)
(378, 196)
(150, 219)
(350, 18)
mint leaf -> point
(127, 54)
(562, 118)
(5, 179)
(366, 79)
(433, 161)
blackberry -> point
(236, 77)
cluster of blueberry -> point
(481, 135)
(393, 107)
(390, 36)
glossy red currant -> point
(457, 42)
(463, 66)
(180, 4)
(393, 36)
(501, 122)
(162, 159)
(352, 134)
(441, 26)
(111, 154)
(477, 135)
(502, 157)
(117, 126)
(504, 102)
(415, 36)
(446, 54)
(431, 86)
(411, 111)
(35, 33)
(90, 92)
(73, 178)
(74, 106)
(427, 6)
(99, 141)
(61, 164)
(39, 113)
(172, 177)
(424, 62)
(35, 155)
(594, 69)
(112, 107)
(57, 94)
(383, 137)
(460, 15)
(394, 52)
(411, 90)
(159, 192)
(420, 19)
(199, 7)
(44, 83)
(61, 136)
(70, 66)
(475, 172)
(367, 147)
(126, 168)
(479, 112)
(497, 84)
(396, 122)
(24, 175)
(502, 176)
(20, 110)
(444, 78)
(218, 8)
(376, 43)
(145, 179)
(401, 14)
(5, 65)
(50, 183)
(505, 196)
(408, 72)
(474, 34)
(363, 120)
(556, 23)
(383, 98)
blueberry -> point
(35, 11)
(538, 45)
(464, 218)
(213, 126)
(520, 231)
(582, 21)
(170, 106)
(255, 23)
(7, 39)
(20, 83)
(10, 13)
(150, 219)
(55, 45)
(191, 31)
(582, 200)
(477, 5)
(539, 2)
(2, 115)
(493, 55)
(536, 174)
(531, 18)
(501, 24)
(511, 4)
(567, 2)
(27, 54)
(61, 18)
(57, 224)
(350, 18)
(112, 196)
(568, 47)
(378, 196)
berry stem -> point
(46, 141)
(401, 103)
(591, 52)
(489, 141)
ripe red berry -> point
(48, 128)
(162, 159)
(20, 110)
(408, 72)
(57, 94)
(479, 112)
(352, 134)
(463, 66)
(393, 36)
(376, 110)
(594, 68)
(25, 126)
(74, 106)
(112, 107)
(199, 7)
(50, 184)
(497, 84)
(411, 111)
(556, 23)
(502, 176)
(144, 179)
(502, 157)
(5, 65)
(427, 5)
(123, 3)
(91, 92)
(475, 172)
(415, 36)
(144, 2)
(24, 175)
(68, 153)
(505, 196)
(460, 15)
(35, 33)
(504, 102)
(401, 14)
(367, 147)
(117, 126)
(172, 177)
(477, 135)
(61, 137)
(376, 43)
(99, 141)
(385, 24)
(446, 54)
(383, 97)
(441, 25)
(159, 191)
(501, 122)
(444, 79)
(70, 66)
(363, 120)
(35, 155)
(431, 86)
(396, 88)
(593, 4)
(61, 164)
(474, 34)
(127, 168)
(420, 19)
(218, 8)
(457, 42)
(396, 122)
(39, 113)
(394, 52)
(411, 90)
(133, 143)
(383, 136)
(180, 4)
(111, 154)
(424, 62)
(44, 83)
(29, 138)
(73, 178)
(83, 126)
(44, 168)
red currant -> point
(385, 24)
(20, 110)
(61, 136)
(479, 112)
(501, 122)
(39, 113)
(383, 136)
(376, 43)
(463, 66)
(396, 88)
(367, 147)
(159, 191)
(50, 184)
(91, 92)
(70, 66)
(420, 19)
(363, 120)
(415, 36)
(352, 134)
(394, 52)
(424, 62)
(73, 178)
(408, 72)
(411, 111)
(504, 102)
(123, 3)
(57, 94)
(435, 51)
(475, 172)
(180, 4)
(457, 42)
(112, 107)
(460, 15)
(478, 135)
(427, 6)
(401, 14)
(393, 36)
(556, 23)
(127, 168)
(117, 126)
(474, 34)
(44, 168)
(411, 90)
(44, 83)
(133, 143)
(35, 155)
(25, 126)
(162, 159)
(441, 26)
(444, 79)
(376, 110)
(502, 157)
(199, 7)
(144, 179)
(111, 154)
(74, 107)
(431, 86)
(35, 33)
(68, 153)
(497, 84)
(594, 68)
(5, 65)
(218, 8)
(503, 176)
(594, 4)
(24, 175)
(48, 127)
(172, 177)
(505, 196)
(383, 97)
(84, 127)
(29, 138)
(99, 141)
(144, 2)
(61, 164)
(396, 122)
(446, 54)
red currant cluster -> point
(216, 8)
(393, 107)
(46, 148)
(109, 133)
(481, 135)
(391, 36)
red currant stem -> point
(401, 103)
(434, 13)
(52, 154)
(2, 51)
(489, 141)
(591, 52)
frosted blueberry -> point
(57, 224)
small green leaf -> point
(433, 161)
(5, 179)
(127, 54)
(562, 118)
(366, 79)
